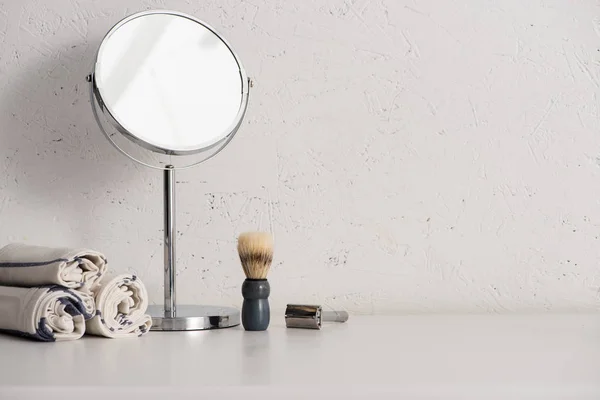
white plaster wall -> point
(410, 156)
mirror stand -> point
(154, 71)
(170, 316)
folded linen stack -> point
(58, 294)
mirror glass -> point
(170, 83)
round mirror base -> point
(194, 318)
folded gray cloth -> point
(27, 266)
(121, 304)
(47, 314)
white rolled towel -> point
(48, 314)
(27, 266)
(121, 304)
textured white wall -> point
(410, 156)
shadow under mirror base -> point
(194, 318)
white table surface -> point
(423, 357)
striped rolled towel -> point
(48, 314)
(121, 304)
(27, 266)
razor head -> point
(303, 316)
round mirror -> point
(169, 83)
(169, 92)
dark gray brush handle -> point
(256, 313)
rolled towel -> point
(27, 266)
(121, 304)
(47, 314)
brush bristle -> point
(256, 253)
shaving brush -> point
(256, 254)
